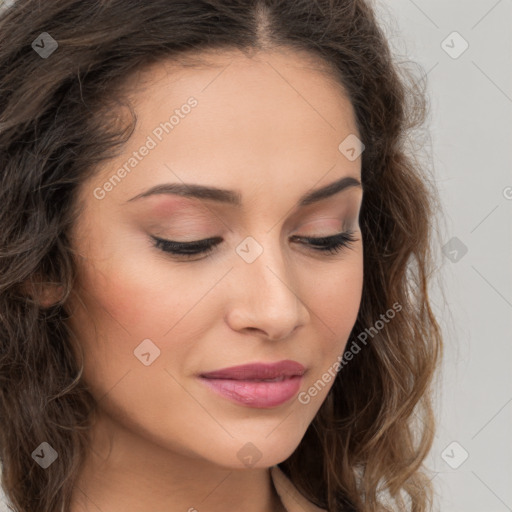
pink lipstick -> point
(257, 385)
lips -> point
(257, 385)
(256, 372)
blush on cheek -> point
(115, 294)
(337, 292)
(129, 299)
(145, 299)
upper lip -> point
(250, 371)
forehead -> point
(272, 120)
(305, 83)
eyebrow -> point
(234, 198)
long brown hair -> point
(375, 428)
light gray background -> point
(470, 130)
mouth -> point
(257, 385)
(272, 372)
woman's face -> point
(268, 130)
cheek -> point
(131, 299)
(335, 300)
(137, 292)
(335, 295)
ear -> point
(45, 294)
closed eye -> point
(327, 244)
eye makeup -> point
(327, 245)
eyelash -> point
(327, 244)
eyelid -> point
(184, 250)
(195, 244)
(327, 224)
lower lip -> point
(256, 394)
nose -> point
(265, 297)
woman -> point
(215, 251)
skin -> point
(269, 127)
